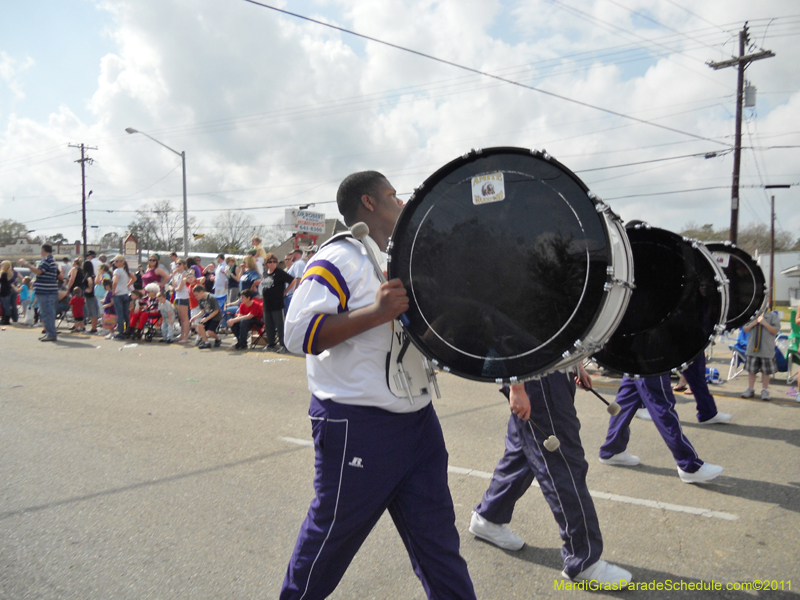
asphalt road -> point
(168, 472)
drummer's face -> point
(390, 206)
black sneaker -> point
(217, 343)
(204, 346)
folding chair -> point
(792, 352)
(738, 354)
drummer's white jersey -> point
(340, 278)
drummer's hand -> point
(519, 402)
(391, 300)
(584, 380)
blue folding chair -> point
(738, 354)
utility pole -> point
(742, 61)
(772, 243)
(84, 159)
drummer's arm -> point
(390, 302)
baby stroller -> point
(151, 328)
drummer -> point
(374, 450)
(655, 394)
(550, 403)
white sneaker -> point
(748, 393)
(705, 473)
(643, 414)
(499, 535)
(765, 395)
(718, 418)
(622, 459)
(603, 573)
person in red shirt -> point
(249, 314)
(76, 303)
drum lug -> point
(389, 250)
(719, 329)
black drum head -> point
(504, 258)
(673, 311)
(747, 286)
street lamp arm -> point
(132, 130)
(185, 209)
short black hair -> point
(222, 256)
(47, 248)
(249, 294)
(355, 185)
(91, 253)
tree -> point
(232, 231)
(57, 238)
(111, 240)
(753, 237)
(11, 231)
(159, 227)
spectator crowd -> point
(180, 302)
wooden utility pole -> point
(84, 159)
(741, 61)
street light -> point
(185, 211)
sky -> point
(273, 111)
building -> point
(787, 272)
(33, 252)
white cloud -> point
(273, 110)
(10, 69)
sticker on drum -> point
(488, 188)
(502, 290)
(747, 286)
(678, 305)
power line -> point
(485, 74)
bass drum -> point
(512, 267)
(747, 286)
(679, 304)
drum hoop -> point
(722, 287)
(614, 304)
(736, 252)
(567, 321)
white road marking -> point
(297, 441)
(689, 510)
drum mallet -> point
(612, 407)
(551, 442)
(361, 230)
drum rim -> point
(734, 250)
(434, 179)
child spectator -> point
(109, 313)
(77, 303)
(760, 355)
(209, 318)
(249, 313)
(147, 307)
(25, 300)
(168, 317)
